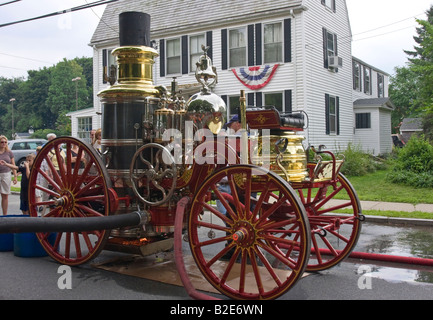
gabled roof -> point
(375, 102)
(174, 15)
(411, 124)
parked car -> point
(21, 148)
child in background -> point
(25, 172)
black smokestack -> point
(134, 29)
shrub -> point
(413, 165)
(357, 162)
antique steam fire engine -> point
(259, 210)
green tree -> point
(9, 88)
(62, 91)
(412, 87)
(403, 90)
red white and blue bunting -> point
(256, 77)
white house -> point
(304, 44)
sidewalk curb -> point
(399, 221)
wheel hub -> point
(66, 201)
(244, 234)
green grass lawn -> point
(375, 187)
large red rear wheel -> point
(70, 183)
(238, 247)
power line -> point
(87, 6)
(367, 31)
(10, 55)
(10, 2)
(100, 18)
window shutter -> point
(288, 40)
(250, 99)
(209, 43)
(288, 101)
(224, 60)
(259, 99)
(250, 45)
(328, 130)
(184, 49)
(162, 57)
(338, 114)
(258, 44)
(104, 65)
(334, 6)
(325, 48)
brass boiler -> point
(128, 106)
(287, 156)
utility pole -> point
(13, 129)
(76, 91)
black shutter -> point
(258, 44)
(288, 101)
(325, 48)
(337, 107)
(250, 99)
(328, 130)
(184, 50)
(250, 45)
(288, 40)
(162, 57)
(259, 99)
(224, 57)
(105, 70)
(334, 6)
(225, 99)
(209, 43)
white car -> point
(21, 148)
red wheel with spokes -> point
(237, 248)
(68, 179)
(334, 212)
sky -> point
(381, 30)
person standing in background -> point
(97, 140)
(7, 156)
(25, 172)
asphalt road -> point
(41, 278)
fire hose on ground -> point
(39, 224)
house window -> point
(356, 76)
(273, 42)
(238, 47)
(274, 99)
(173, 54)
(363, 121)
(367, 80)
(329, 4)
(195, 51)
(84, 128)
(330, 44)
(108, 63)
(380, 86)
(332, 104)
